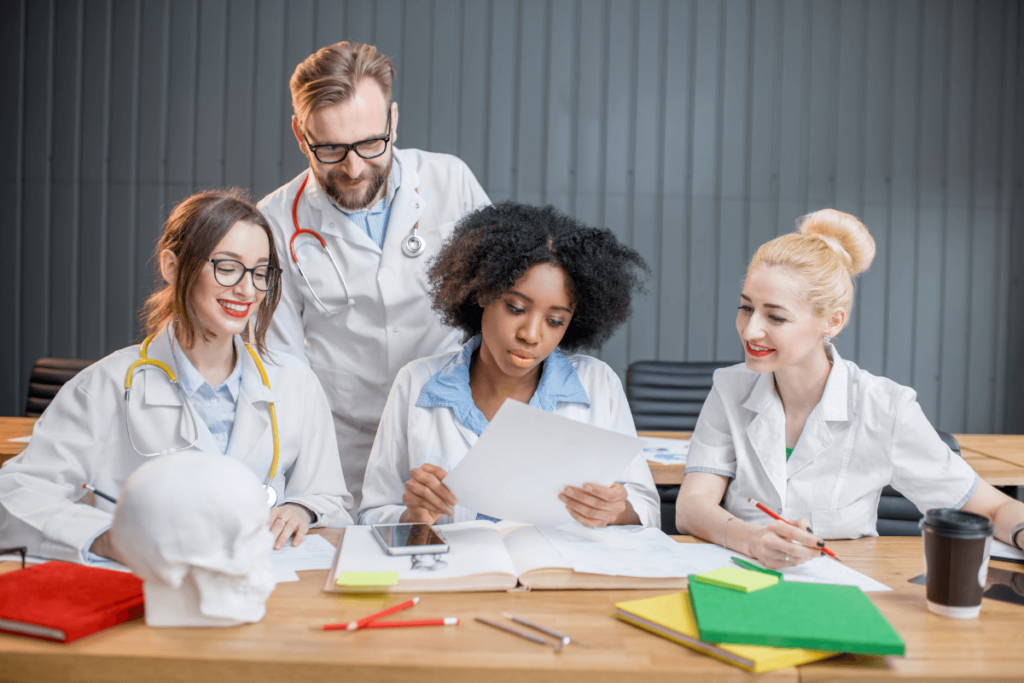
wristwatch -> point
(1013, 536)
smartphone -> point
(414, 538)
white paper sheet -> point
(475, 548)
(827, 570)
(21, 439)
(316, 552)
(666, 451)
(1002, 551)
(525, 458)
(632, 551)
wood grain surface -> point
(286, 644)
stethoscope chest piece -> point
(271, 495)
(414, 245)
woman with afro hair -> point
(524, 284)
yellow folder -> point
(671, 616)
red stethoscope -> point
(412, 246)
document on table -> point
(316, 552)
(632, 551)
(827, 570)
(1002, 551)
(526, 456)
(21, 439)
(627, 551)
(666, 451)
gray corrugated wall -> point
(695, 129)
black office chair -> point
(668, 396)
(897, 516)
(48, 376)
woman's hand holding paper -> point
(425, 497)
(782, 545)
(598, 506)
(286, 521)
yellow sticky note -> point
(367, 578)
(737, 579)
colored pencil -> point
(353, 625)
(545, 630)
(525, 636)
(100, 493)
(447, 621)
(771, 513)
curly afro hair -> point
(492, 247)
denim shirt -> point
(215, 405)
(449, 387)
(374, 220)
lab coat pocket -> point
(853, 521)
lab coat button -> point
(351, 302)
(394, 329)
(779, 511)
(331, 225)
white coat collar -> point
(767, 430)
(251, 420)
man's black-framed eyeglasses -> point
(229, 272)
(335, 153)
(21, 551)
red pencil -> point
(353, 625)
(771, 513)
(447, 621)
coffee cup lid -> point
(957, 522)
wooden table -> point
(997, 458)
(284, 645)
(11, 428)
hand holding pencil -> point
(784, 543)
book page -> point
(476, 548)
(529, 550)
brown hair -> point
(330, 76)
(828, 250)
(192, 231)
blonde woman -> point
(806, 433)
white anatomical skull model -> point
(193, 527)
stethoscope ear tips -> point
(413, 245)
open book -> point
(488, 557)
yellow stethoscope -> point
(145, 360)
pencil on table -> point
(771, 513)
(353, 625)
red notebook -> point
(63, 601)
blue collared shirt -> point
(559, 383)
(214, 405)
(374, 220)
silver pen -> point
(516, 632)
(549, 631)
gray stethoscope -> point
(412, 246)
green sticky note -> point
(755, 568)
(367, 578)
(737, 579)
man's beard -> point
(356, 199)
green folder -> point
(791, 614)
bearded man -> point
(355, 233)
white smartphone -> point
(414, 538)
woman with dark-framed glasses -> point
(201, 379)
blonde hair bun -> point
(844, 233)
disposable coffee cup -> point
(956, 550)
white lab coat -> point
(410, 436)
(356, 350)
(81, 438)
(865, 433)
